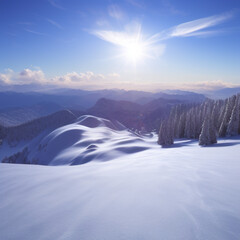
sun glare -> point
(134, 51)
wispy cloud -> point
(102, 22)
(55, 4)
(133, 34)
(115, 11)
(193, 28)
(136, 3)
(54, 23)
(186, 29)
(116, 38)
(121, 38)
(35, 32)
(131, 37)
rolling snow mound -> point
(88, 139)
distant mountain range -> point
(85, 99)
(16, 116)
(222, 93)
(135, 109)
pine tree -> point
(165, 136)
(233, 125)
(212, 132)
(181, 125)
(208, 133)
(227, 116)
(204, 138)
(162, 134)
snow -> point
(182, 192)
(88, 139)
(7, 149)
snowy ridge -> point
(88, 139)
(93, 122)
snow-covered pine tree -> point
(165, 136)
(215, 114)
(193, 123)
(227, 116)
(187, 128)
(233, 125)
(175, 120)
(162, 134)
(213, 132)
(204, 121)
(204, 138)
(198, 124)
(208, 133)
(181, 125)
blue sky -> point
(132, 44)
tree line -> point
(206, 121)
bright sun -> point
(132, 46)
(134, 51)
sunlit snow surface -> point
(184, 192)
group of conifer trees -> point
(206, 121)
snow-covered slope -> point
(186, 192)
(89, 138)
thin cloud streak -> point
(114, 11)
(34, 32)
(193, 28)
(55, 4)
(54, 23)
(131, 33)
(189, 29)
(116, 38)
(132, 36)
